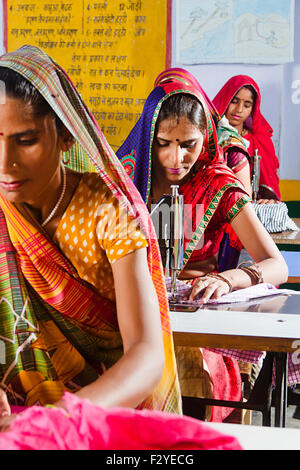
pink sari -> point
(89, 427)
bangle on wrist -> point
(222, 278)
(254, 272)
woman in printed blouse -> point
(175, 142)
(83, 301)
(239, 101)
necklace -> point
(55, 208)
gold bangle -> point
(254, 272)
(222, 278)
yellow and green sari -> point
(58, 332)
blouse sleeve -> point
(117, 232)
(231, 204)
(236, 160)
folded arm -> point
(260, 247)
(135, 375)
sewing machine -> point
(167, 217)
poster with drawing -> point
(234, 31)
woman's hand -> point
(6, 421)
(5, 414)
(268, 201)
(134, 376)
(212, 288)
(4, 405)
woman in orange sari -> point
(83, 301)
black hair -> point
(253, 93)
(183, 104)
(16, 86)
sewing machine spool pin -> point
(256, 175)
(167, 218)
(177, 238)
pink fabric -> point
(227, 382)
(18, 409)
(89, 427)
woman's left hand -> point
(6, 421)
(268, 201)
(212, 288)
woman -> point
(74, 248)
(239, 101)
(175, 142)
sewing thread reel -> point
(256, 175)
(176, 238)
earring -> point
(64, 154)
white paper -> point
(241, 295)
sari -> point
(89, 427)
(233, 146)
(259, 136)
(41, 289)
(211, 191)
(206, 187)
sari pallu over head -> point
(260, 135)
(213, 178)
(38, 281)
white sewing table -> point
(270, 324)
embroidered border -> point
(204, 222)
(233, 212)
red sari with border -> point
(214, 183)
(260, 132)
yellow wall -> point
(290, 190)
(112, 50)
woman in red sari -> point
(175, 142)
(239, 101)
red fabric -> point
(197, 203)
(212, 175)
(89, 427)
(226, 379)
(236, 160)
(260, 130)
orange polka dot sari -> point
(52, 307)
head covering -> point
(210, 183)
(260, 130)
(91, 152)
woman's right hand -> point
(4, 405)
